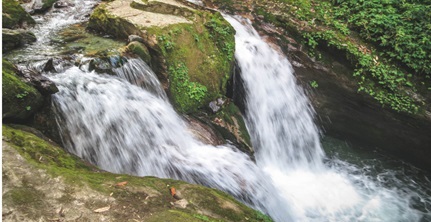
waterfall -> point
(287, 144)
(124, 123)
(279, 116)
(125, 128)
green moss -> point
(15, 38)
(141, 50)
(104, 22)
(206, 49)
(76, 39)
(24, 196)
(72, 170)
(13, 15)
(20, 100)
(47, 4)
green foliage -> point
(222, 34)
(167, 42)
(402, 29)
(314, 84)
(378, 70)
(187, 95)
(21, 95)
(204, 51)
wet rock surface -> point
(13, 39)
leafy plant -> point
(21, 95)
(314, 84)
(188, 95)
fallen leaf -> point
(103, 209)
(121, 184)
(173, 192)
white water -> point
(287, 144)
(124, 128)
(49, 24)
(124, 124)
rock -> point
(198, 45)
(135, 38)
(106, 61)
(163, 7)
(213, 106)
(14, 16)
(44, 85)
(62, 4)
(40, 6)
(49, 66)
(141, 50)
(41, 180)
(13, 39)
(20, 100)
(203, 132)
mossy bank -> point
(42, 182)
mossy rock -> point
(20, 100)
(13, 39)
(102, 21)
(141, 50)
(40, 180)
(14, 16)
(76, 39)
(162, 7)
(199, 57)
(196, 51)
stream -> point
(124, 123)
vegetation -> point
(188, 95)
(19, 99)
(205, 204)
(199, 58)
(392, 59)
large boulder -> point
(20, 100)
(191, 49)
(23, 92)
(13, 39)
(42, 182)
(14, 16)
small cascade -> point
(138, 73)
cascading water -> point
(278, 113)
(125, 124)
(287, 144)
(47, 26)
(124, 128)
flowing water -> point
(287, 145)
(124, 124)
